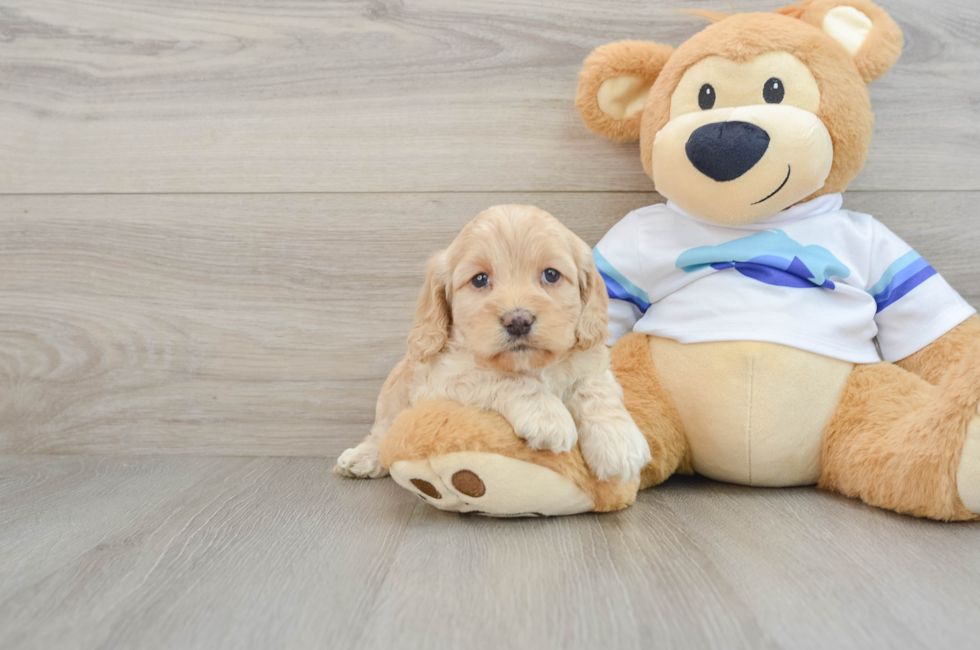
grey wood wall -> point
(214, 215)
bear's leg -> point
(465, 459)
(954, 351)
(651, 408)
(897, 441)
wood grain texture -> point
(180, 552)
(246, 554)
(379, 95)
(264, 324)
(851, 576)
(86, 502)
(632, 580)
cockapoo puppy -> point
(512, 318)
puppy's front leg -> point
(364, 460)
(537, 416)
(540, 418)
(611, 442)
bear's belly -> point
(754, 413)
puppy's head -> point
(516, 288)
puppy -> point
(512, 318)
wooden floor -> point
(190, 552)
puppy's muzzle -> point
(517, 322)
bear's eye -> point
(550, 276)
(706, 98)
(480, 280)
(774, 91)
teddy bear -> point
(762, 334)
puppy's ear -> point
(593, 326)
(864, 29)
(433, 317)
(613, 86)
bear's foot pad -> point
(968, 474)
(490, 484)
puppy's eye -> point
(774, 91)
(707, 97)
(480, 280)
(550, 276)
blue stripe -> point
(617, 282)
(894, 268)
(605, 267)
(903, 275)
(910, 283)
(617, 292)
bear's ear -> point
(613, 86)
(864, 29)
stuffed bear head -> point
(752, 115)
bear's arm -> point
(938, 360)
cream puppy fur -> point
(512, 318)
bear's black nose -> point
(726, 150)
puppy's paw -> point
(363, 461)
(615, 450)
(548, 425)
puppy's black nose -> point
(724, 151)
(517, 322)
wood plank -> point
(183, 552)
(85, 502)
(821, 571)
(261, 553)
(425, 95)
(264, 324)
(621, 580)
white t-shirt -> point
(813, 277)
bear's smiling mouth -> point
(785, 180)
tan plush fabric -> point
(437, 428)
(938, 359)
(490, 484)
(896, 440)
(638, 59)
(881, 48)
(745, 422)
(968, 473)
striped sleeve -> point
(901, 276)
(619, 263)
(914, 305)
